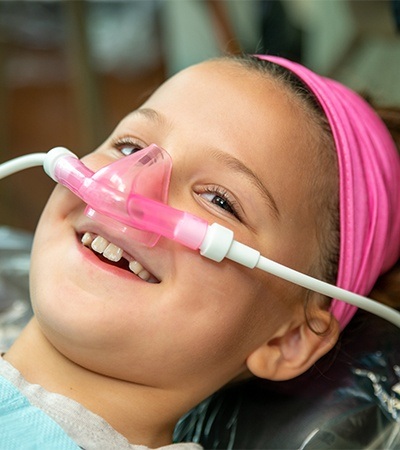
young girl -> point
(118, 351)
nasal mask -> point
(130, 196)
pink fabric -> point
(369, 169)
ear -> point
(294, 349)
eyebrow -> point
(151, 114)
(229, 160)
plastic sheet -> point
(15, 308)
(348, 400)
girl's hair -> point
(325, 192)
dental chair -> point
(349, 400)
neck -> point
(143, 414)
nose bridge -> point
(146, 172)
(153, 174)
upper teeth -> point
(115, 253)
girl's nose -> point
(146, 172)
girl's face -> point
(242, 155)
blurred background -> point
(70, 70)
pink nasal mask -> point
(130, 196)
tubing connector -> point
(219, 243)
(52, 158)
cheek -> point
(214, 313)
(187, 329)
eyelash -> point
(226, 198)
(218, 191)
(119, 144)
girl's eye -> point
(221, 198)
(128, 146)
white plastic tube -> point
(219, 243)
(21, 163)
(329, 290)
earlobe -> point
(295, 349)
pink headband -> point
(369, 170)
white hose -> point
(20, 163)
(219, 243)
(329, 290)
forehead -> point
(225, 88)
(221, 102)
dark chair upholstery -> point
(348, 400)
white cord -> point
(219, 244)
(20, 163)
(329, 290)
